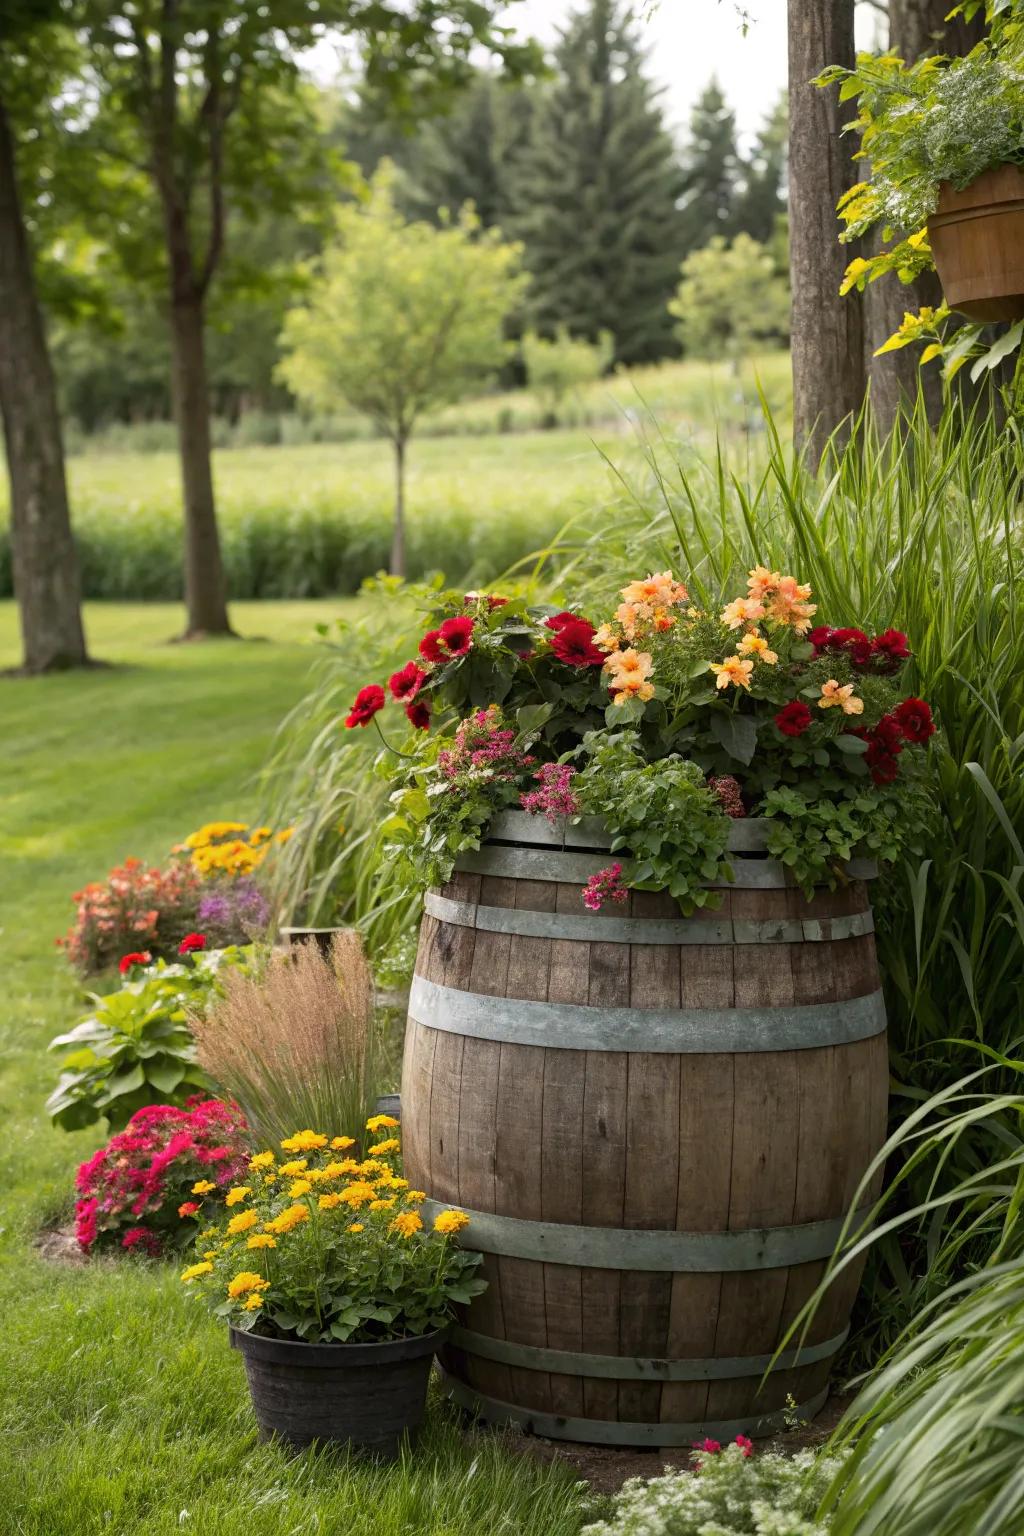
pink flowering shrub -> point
(555, 797)
(483, 751)
(138, 1191)
(606, 885)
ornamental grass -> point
(295, 1041)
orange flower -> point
(843, 696)
(742, 610)
(734, 669)
(756, 646)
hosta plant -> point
(326, 1244)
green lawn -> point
(123, 1412)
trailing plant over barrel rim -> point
(666, 720)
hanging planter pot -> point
(977, 240)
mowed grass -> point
(122, 1411)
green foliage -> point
(730, 299)
(136, 1047)
(811, 835)
(595, 190)
(711, 171)
(730, 1495)
(405, 318)
(557, 365)
(662, 812)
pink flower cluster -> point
(606, 885)
(727, 791)
(554, 798)
(149, 1168)
(484, 747)
(712, 1447)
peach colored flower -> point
(832, 693)
(734, 669)
(756, 646)
(761, 581)
(742, 610)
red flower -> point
(490, 598)
(457, 635)
(794, 718)
(914, 719)
(819, 637)
(418, 715)
(890, 649)
(854, 642)
(189, 1208)
(888, 734)
(142, 1237)
(711, 1447)
(883, 765)
(745, 1444)
(430, 647)
(560, 620)
(406, 684)
(368, 701)
(574, 644)
(137, 957)
(190, 942)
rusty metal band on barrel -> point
(577, 1026)
(576, 868)
(566, 1362)
(645, 930)
(609, 1432)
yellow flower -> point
(240, 1192)
(384, 1147)
(382, 1205)
(285, 834)
(375, 1123)
(316, 1175)
(328, 1202)
(341, 1142)
(356, 1226)
(757, 646)
(203, 1187)
(388, 1181)
(734, 669)
(742, 610)
(253, 1302)
(335, 1170)
(304, 1141)
(244, 1281)
(289, 1218)
(300, 1187)
(211, 1253)
(357, 1194)
(291, 1169)
(415, 1196)
(242, 1222)
(262, 1160)
(207, 1232)
(450, 1222)
(832, 694)
(261, 1240)
(369, 1167)
(195, 1270)
(407, 1223)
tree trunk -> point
(46, 581)
(398, 531)
(827, 331)
(916, 27)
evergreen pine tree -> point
(711, 170)
(596, 190)
(465, 155)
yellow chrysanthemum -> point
(253, 1302)
(357, 1226)
(203, 1187)
(407, 1223)
(415, 1196)
(195, 1270)
(450, 1222)
(236, 1195)
(288, 1218)
(245, 1281)
(340, 1143)
(328, 1202)
(211, 1253)
(392, 1144)
(242, 1222)
(290, 1170)
(299, 1188)
(381, 1123)
(304, 1141)
(382, 1205)
(262, 1160)
(357, 1194)
(261, 1240)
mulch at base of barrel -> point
(606, 1468)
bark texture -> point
(46, 580)
(827, 330)
(916, 27)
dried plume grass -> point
(293, 1045)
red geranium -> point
(457, 635)
(914, 719)
(406, 684)
(560, 620)
(854, 642)
(418, 715)
(430, 647)
(794, 718)
(882, 764)
(819, 637)
(190, 942)
(189, 1208)
(137, 957)
(890, 649)
(367, 702)
(573, 643)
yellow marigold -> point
(358, 1193)
(203, 1187)
(392, 1144)
(450, 1222)
(300, 1187)
(843, 696)
(340, 1143)
(734, 669)
(239, 1193)
(207, 1232)
(284, 834)
(415, 1196)
(407, 1223)
(290, 1170)
(316, 1175)
(389, 1181)
(260, 835)
(242, 1222)
(195, 1270)
(289, 1218)
(368, 1167)
(335, 1170)
(261, 1240)
(304, 1141)
(382, 1205)
(245, 1281)
(378, 1123)
(328, 1202)
(262, 1160)
(357, 1226)
(252, 1302)
(211, 1253)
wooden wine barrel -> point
(977, 240)
(657, 1125)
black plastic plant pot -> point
(369, 1397)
